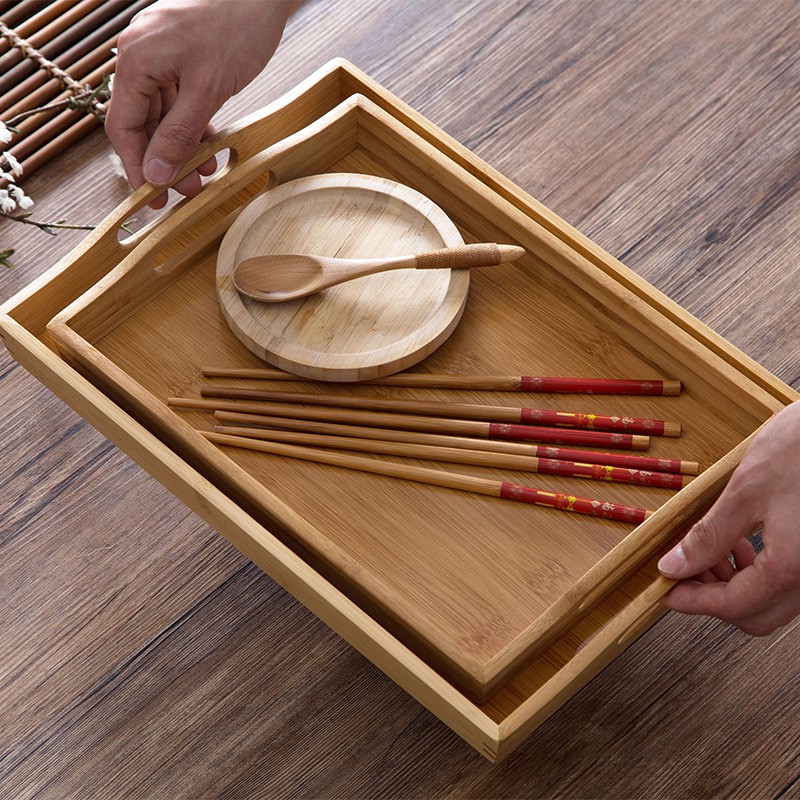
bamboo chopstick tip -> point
(672, 429)
(690, 467)
(671, 387)
(640, 442)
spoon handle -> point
(468, 256)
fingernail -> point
(159, 172)
(673, 562)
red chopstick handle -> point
(612, 459)
(534, 433)
(600, 422)
(601, 472)
(580, 505)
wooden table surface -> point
(142, 656)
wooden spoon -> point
(279, 277)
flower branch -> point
(13, 198)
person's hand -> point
(758, 592)
(177, 63)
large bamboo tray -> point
(623, 322)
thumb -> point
(711, 539)
(177, 137)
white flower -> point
(6, 176)
(14, 165)
(5, 133)
(110, 84)
(116, 166)
(7, 204)
(22, 200)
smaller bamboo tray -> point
(491, 614)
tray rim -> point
(29, 346)
(482, 677)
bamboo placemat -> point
(56, 55)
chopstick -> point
(547, 466)
(452, 480)
(484, 430)
(522, 416)
(486, 445)
(497, 383)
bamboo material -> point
(544, 466)
(36, 132)
(29, 16)
(51, 39)
(521, 416)
(490, 430)
(37, 91)
(497, 383)
(365, 328)
(622, 460)
(76, 37)
(39, 88)
(450, 480)
(48, 151)
(25, 29)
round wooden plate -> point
(368, 327)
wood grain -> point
(663, 133)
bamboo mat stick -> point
(544, 466)
(32, 124)
(98, 14)
(37, 21)
(45, 40)
(484, 430)
(66, 139)
(44, 130)
(517, 416)
(91, 48)
(25, 14)
(486, 445)
(87, 16)
(21, 11)
(495, 383)
(45, 133)
(38, 91)
(451, 480)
